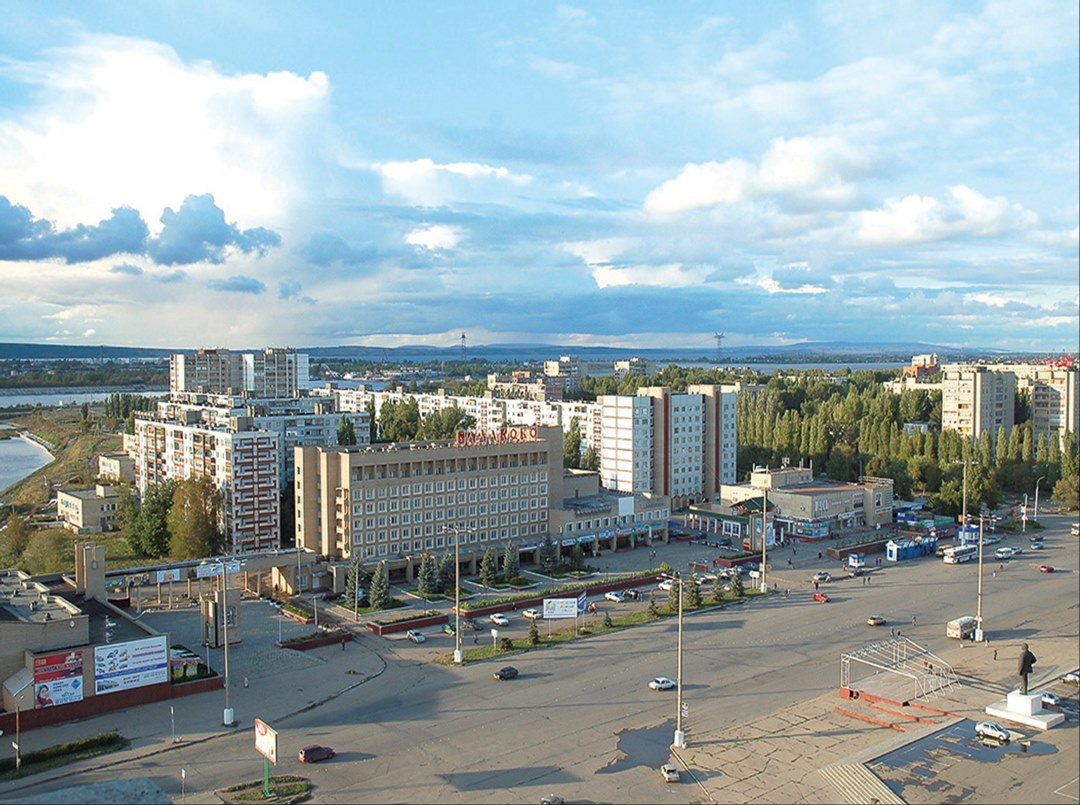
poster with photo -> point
(58, 679)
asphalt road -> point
(580, 719)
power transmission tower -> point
(719, 342)
(463, 347)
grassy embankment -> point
(75, 445)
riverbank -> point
(21, 454)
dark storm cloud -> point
(198, 232)
(237, 284)
(23, 238)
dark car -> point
(633, 595)
(509, 672)
(469, 623)
(315, 753)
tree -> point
(577, 557)
(346, 433)
(549, 554)
(607, 620)
(718, 590)
(427, 579)
(511, 562)
(653, 609)
(151, 536)
(355, 578)
(489, 567)
(16, 536)
(591, 460)
(444, 423)
(673, 597)
(572, 445)
(737, 585)
(534, 633)
(693, 595)
(194, 520)
(379, 591)
(50, 550)
(1067, 493)
(447, 575)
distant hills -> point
(807, 352)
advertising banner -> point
(208, 570)
(58, 679)
(122, 666)
(172, 574)
(560, 608)
(266, 741)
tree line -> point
(175, 519)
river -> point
(60, 396)
(20, 457)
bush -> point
(506, 644)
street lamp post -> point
(680, 735)
(227, 717)
(978, 609)
(457, 594)
(764, 536)
(1041, 478)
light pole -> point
(457, 593)
(227, 717)
(680, 736)
(1041, 478)
(764, 536)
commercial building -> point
(391, 501)
(602, 520)
(977, 399)
(273, 372)
(88, 511)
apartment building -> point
(273, 372)
(977, 399)
(681, 445)
(244, 464)
(394, 502)
(1055, 402)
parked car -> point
(670, 773)
(662, 683)
(1074, 530)
(415, 636)
(666, 585)
(821, 597)
(507, 672)
(614, 596)
(633, 594)
(499, 619)
(822, 575)
(315, 753)
(1050, 699)
(331, 596)
(1073, 678)
(988, 729)
(470, 623)
(876, 620)
(551, 799)
(532, 614)
(1046, 568)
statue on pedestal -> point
(1027, 660)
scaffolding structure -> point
(902, 671)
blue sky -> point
(626, 174)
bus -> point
(956, 554)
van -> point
(962, 628)
(1003, 553)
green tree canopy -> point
(511, 561)
(489, 567)
(346, 433)
(195, 520)
(379, 592)
(151, 536)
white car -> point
(988, 729)
(662, 683)
(499, 619)
(1003, 553)
(532, 614)
(415, 636)
(1072, 677)
(1036, 545)
(822, 575)
(1017, 550)
(613, 596)
(670, 773)
(1051, 699)
(666, 585)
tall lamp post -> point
(978, 608)
(227, 717)
(680, 735)
(457, 592)
(764, 536)
(1041, 478)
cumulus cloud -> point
(427, 183)
(325, 249)
(672, 275)
(818, 169)
(434, 237)
(917, 219)
(126, 268)
(197, 232)
(24, 238)
(237, 284)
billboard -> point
(214, 569)
(172, 574)
(560, 608)
(266, 741)
(122, 666)
(58, 679)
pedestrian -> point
(913, 620)
(994, 574)
(343, 644)
(898, 633)
(892, 631)
(819, 554)
(476, 639)
(995, 655)
(789, 562)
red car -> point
(315, 753)
(821, 597)
(1046, 568)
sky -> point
(628, 174)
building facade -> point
(88, 511)
(977, 399)
(273, 372)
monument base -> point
(1026, 709)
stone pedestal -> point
(1026, 709)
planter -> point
(525, 603)
(382, 629)
(295, 617)
(331, 639)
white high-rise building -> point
(273, 372)
(977, 399)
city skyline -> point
(595, 174)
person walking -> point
(913, 620)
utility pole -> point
(978, 608)
(680, 734)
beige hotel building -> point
(391, 501)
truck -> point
(962, 628)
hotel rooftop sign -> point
(515, 435)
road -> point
(580, 719)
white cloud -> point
(426, 183)
(435, 237)
(600, 251)
(125, 121)
(672, 275)
(818, 168)
(921, 219)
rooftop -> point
(25, 600)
